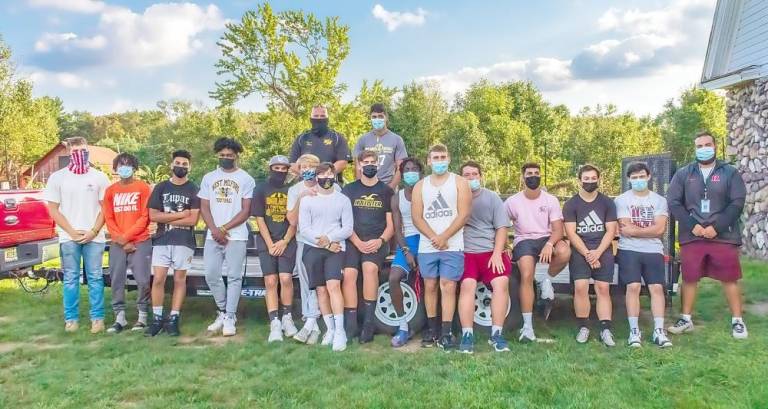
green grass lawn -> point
(41, 366)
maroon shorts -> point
(476, 267)
(710, 259)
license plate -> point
(10, 254)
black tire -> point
(482, 318)
(385, 313)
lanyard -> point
(706, 181)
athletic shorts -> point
(322, 265)
(476, 267)
(354, 258)
(712, 259)
(530, 247)
(580, 269)
(442, 264)
(400, 261)
(634, 265)
(281, 264)
(177, 258)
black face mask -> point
(533, 182)
(277, 178)
(180, 171)
(369, 171)
(589, 187)
(226, 163)
(325, 183)
(319, 126)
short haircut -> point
(308, 159)
(471, 164)
(227, 143)
(588, 168)
(325, 167)
(181, 153)
(705, 133)
(635, 167)
(127, 159)
(75, 141)
(378, 108)
(366, 154)
(410, 160)
(438, 147)
(529, 165)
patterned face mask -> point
(78, 161)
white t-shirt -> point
(78, 197)
(293, 198)
(641, 210)
(225, 192)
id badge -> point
(705, 206)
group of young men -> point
(444, 226)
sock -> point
(350, 317)
(582, 322)
(658, 322)
(403, 323)
(605, 325)
(496, 329)
(272, 315)
(338, 320)
(434, 325)
(120, 318)
(328, 319)
(633, 323)
(465, 331)
(736, 319)
(157, 311)
(311, 324)
(446, 328)
(142, 317)
(686, 317)
(175, 312)
(285, 310)
(369, 309)
(528, 320)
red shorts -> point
(710, 259)
(476, 267)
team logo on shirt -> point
(126, 202)
(224, 189)
(327, 141)
(590, 224)
(439, 208)
(641, 216)
(276, 206)
(369, 201)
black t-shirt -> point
(271, 203)
(590, 217)
(330, 147)
(170, 198)
(370, 205)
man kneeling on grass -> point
(325, 221)
(642, 218)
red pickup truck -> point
(27, 231)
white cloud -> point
(61, 79)
(395, 19)
(49, 41)
(76, 6)
(173, 89)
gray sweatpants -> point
(139, 262)
(226, 295)
(309, 306)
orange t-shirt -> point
(125, 210)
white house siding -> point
(750, 45)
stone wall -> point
(747, 110)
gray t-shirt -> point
(488, 215)
(641, 210)
(390, 148)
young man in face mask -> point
(538, 224)
(127, 218)
(325, 221)
(321, 141)
(276, 246)
(388, 146)
(642, 218)
(175, 207)
(485, 238)
(407, 238)
(225, 204)
(74, 195)
(368, 246)
(441, 206)
(707, 198)
(590, 223)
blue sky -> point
(111, 55)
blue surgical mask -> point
(411, 178)
(308, 174)
(639, 185)
(125, 171)
(705, 153)
(438, 168)
(474, 184)
(378, 123)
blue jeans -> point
(73, 256)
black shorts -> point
(273, 265)
(580, 269)
(354, 258)
(322, 265)
(531, 247)
(633, 265)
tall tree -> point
(420, 116)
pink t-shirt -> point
(531, 218)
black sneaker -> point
(428, 338)
(155, 327)
(446, 343)
(172, 326)
(366, 335)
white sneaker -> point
(527, 335)
(660, 338)
(635, 339)
(739, 330)
(218, 324)
(275, 331)
(328, 338)
(314, 336)
(289, 328)
(339, 341)
(583, 336)
(680, 327)
(229, 328)
(547, 291)
(606, 336)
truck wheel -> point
(386, 316)
(482, 315)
